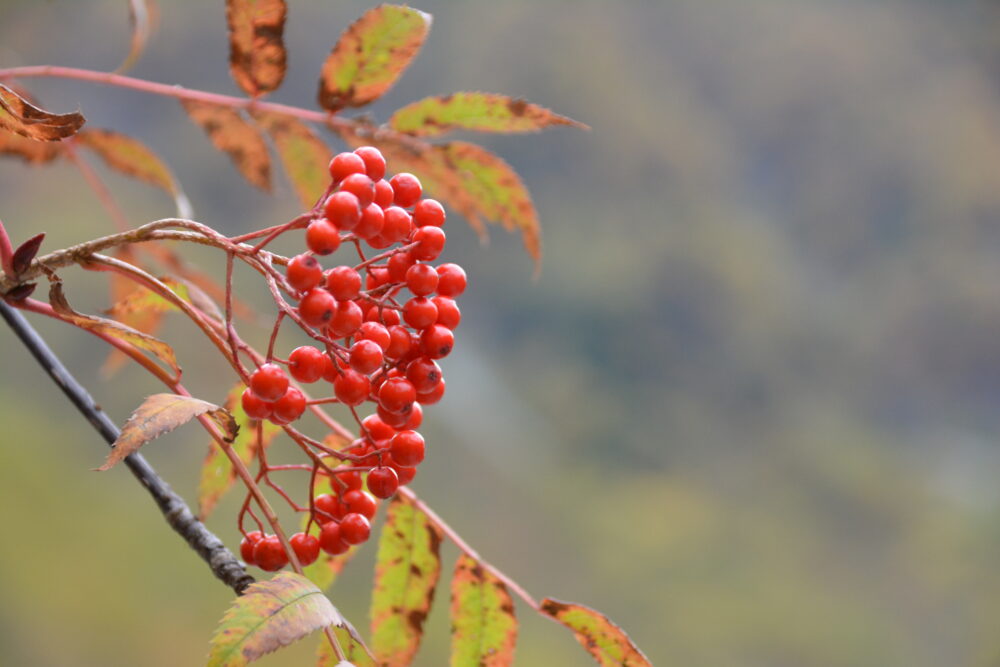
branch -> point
(224, 565)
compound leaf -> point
(257, 55)
(483, 112)
(233, 135)
(303, 154)
(483, 625)
(604, 640)
(18, 115)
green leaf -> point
(217, 472)
(269, 615)
(354, 652)
(483, 625)
(142, 300)
(257, 56)
(371, 55)
(483, 112)
(604, 640)
(231, 134)
(406, 573)
(303, 154)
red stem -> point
(6, 252)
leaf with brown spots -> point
(32, 152)
(483, 624)
(269, 615)
(303, 154)
(233, 135)
(141, 19)
(354, 652)
(371, 55)
(257, 56)
(160, 350)
(482, 112)
(162, 413)
(20, 116)
(406, 573)
(604, 640)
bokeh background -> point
(749, 409)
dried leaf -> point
(483, 112)
(160, 350)
(257, 56)
(142, 300)
(25, 253)
(140, 18)
(145, 320)
(33, 152)
(371, 54)
(604, 640)
(483, 625)
(20, 116)
(230, 133)
(406, 573)
(162, 413)
(269, 615)
(217, 472)
(303, 154)
(354, 652)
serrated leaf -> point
(482, 112)
(33, 152)
(257, 55)
(483, 624)
(233, 135)
(354, 652)
(406, 573)
(160, 350)
(217, 472)
(20, 116)
(269, 615)
(25, 253)
(303, 154)
(162, 413)
(604, 640)
(140, 17)
(371, 55)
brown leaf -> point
(20, 116)
(33, 152)
(257, 56)
(230, 133)
(162, 413)
(25, 253)
(124, 291)
(303, 154)
(604, 640)
(483, 112)
(141, 17)
(371, 55)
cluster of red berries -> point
(378, 346)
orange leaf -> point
(20, 116)
(33, 152)
(604, 640)
(483, 112)
(257, 56)
(230, 133)
(162, 413)
(371, 55)
(303, 154)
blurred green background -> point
(749, 410)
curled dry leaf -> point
(371, 55)
(303, 154)
(483, 624)
(141, 19)
(233, 135)
(25, 253)
(257, 55)
(604, 640)
(269, 615)
(483, 112)
(20, 116)
(33, 152)
(162, 413)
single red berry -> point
(396, 420)
(330, 369)
(375, 332)
(448, 313)
(306, 548)
(424, 374)
(347, 317)
(269, 555)
(344, 164)
(255, 406)
(361, 187)
(289, 407)
(420, 312)
(355, 528)
(430, 242)
(377, 429)
(327, 508)
(451, 280)
(416, 417)
(406, 189)
(383, 193)
(343, 283)
(428, 212)
(372, 222)
(433, 396)
(398, 265)
(407, 448)
(386, 316)
(399, 342)
(248, 542)
(351, 387)
(436, 341)
(405, 473)
(377, 276)
(317, 306)
(343, 209)
(358, 501)
(269, 382)
(396, 393)
(304, 272)
(374, 162)
(351, 479)
(421, 279)
(383, 482)
(366, 356)
(322, 237)
(329, 539)
(398, 225)
(306, 364)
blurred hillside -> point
(749, 408)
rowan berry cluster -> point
(378, 346)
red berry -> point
(317, 306)
(254, 405)
(358, 501)
(330, 369)
(351, 479)
(383, 193)
(430, 242)
(289, 407)
(343, 282)
(448, 313)
(433, 396)
(329, 539)
(344, 164)
(424, 374)
(327, 508)
(407, 448)
(420, 312)
(376, 277)
(416, 417)
(377, 429)
(249, 541)
(361, 187)
(269, 555)
(375, 332)
(406, 189)
(386, 316)
(451, 280)
(351, 387)
(405, 473)
(383, 482)
(421, 279)
(343, 210)
(399, 342)
(306, 548)
(306, 364)
(374, 162)
(322, 237)
(372, 222)
(395, 419)
(269, 382)
(428, 212)
(304, 272)
(347, 317)
(398, 265)
(366, 356)
(398, 225)
(436, 341)
(354, 528)
(396, 393)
